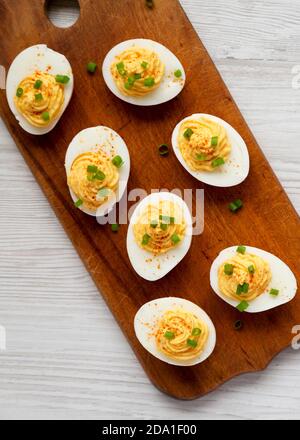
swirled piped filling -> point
(204, 144)
(40, 97)
(181, 335)
(160, 227)
(137, 71)
(244, 276)
(93, 178)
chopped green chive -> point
(274, 292)
(144, 64)
(188, 133)
(130, 82)
(241, 249)
(91, 67)
(163, 150)
(46, 116)
(196, 331)
(238, 325)
(163, 227)
(146, 239)
(38, 84)
(217, 162)
(178, 73)
(236, 205)
(149, 82)
(19, 92)
(121, 68)
(214, 141)
(251, 269)
(232, 207)
(103, 192)
(242, 288)
(245, 287)
(118, 161)
(94, 173)
(201, 156)
(38, 97)
(78, 203)
(63, 79)
(99, 175)
(167, 219)
(192, 343)
(115, 227)
(239, 289)
(169, 335)
(149, 4)
(153, 224)
(228, 269)
(242, 306)
(92, 169)
(137, 76)
(175, 239)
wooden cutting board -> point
(268, 219)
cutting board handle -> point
(78, 4)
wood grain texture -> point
(37, 224)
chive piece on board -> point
(91, 67)
(163, 150)
(238, 325)
(115, 227)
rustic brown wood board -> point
(268, 219)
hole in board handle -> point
(62, 13)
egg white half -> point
(234, 171)
(148, 266)
(95, 139)
(170, 85)
(39, 57)
(150, 313)
(282, 279)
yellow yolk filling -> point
(86, 185)
(34, 103)
(160, 227)
(181, 335)
(201, 142)
(137, 71)
(257, 281)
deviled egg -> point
(175, 331)
(39, 88)
(97, 165)
(211, 150)
(143, 72)
(159, 235)
(252, 280)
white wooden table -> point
(66, 357)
